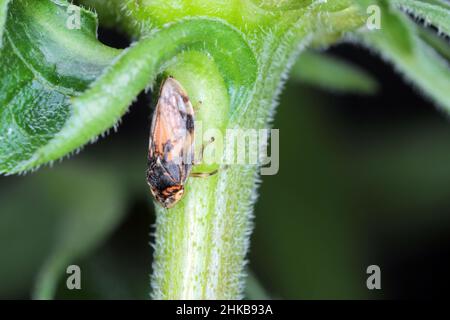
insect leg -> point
(203, 174)
(198, 105)
(207, 144)
(203, 149)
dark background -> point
(363, 180)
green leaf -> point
(438, 43)
(398, 41)
(441, 3)
(3, 14)
(254, 289)
(437, 14)
(54, 218)
(333, 74)
(90, 202)
(43, 64)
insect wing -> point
(172, 131)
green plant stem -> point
(187, 266)
(201, 244)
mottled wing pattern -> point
(171, 147)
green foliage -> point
(399, 42)
(332, 74)
(43, 65)
(70, 211)
(49, 70)
(3, 15)
(83, 224)
(61, 88)
(436, 42)
(437, 14)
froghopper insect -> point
(171, 145)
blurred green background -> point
(363, 180)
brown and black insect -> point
(171, 146)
